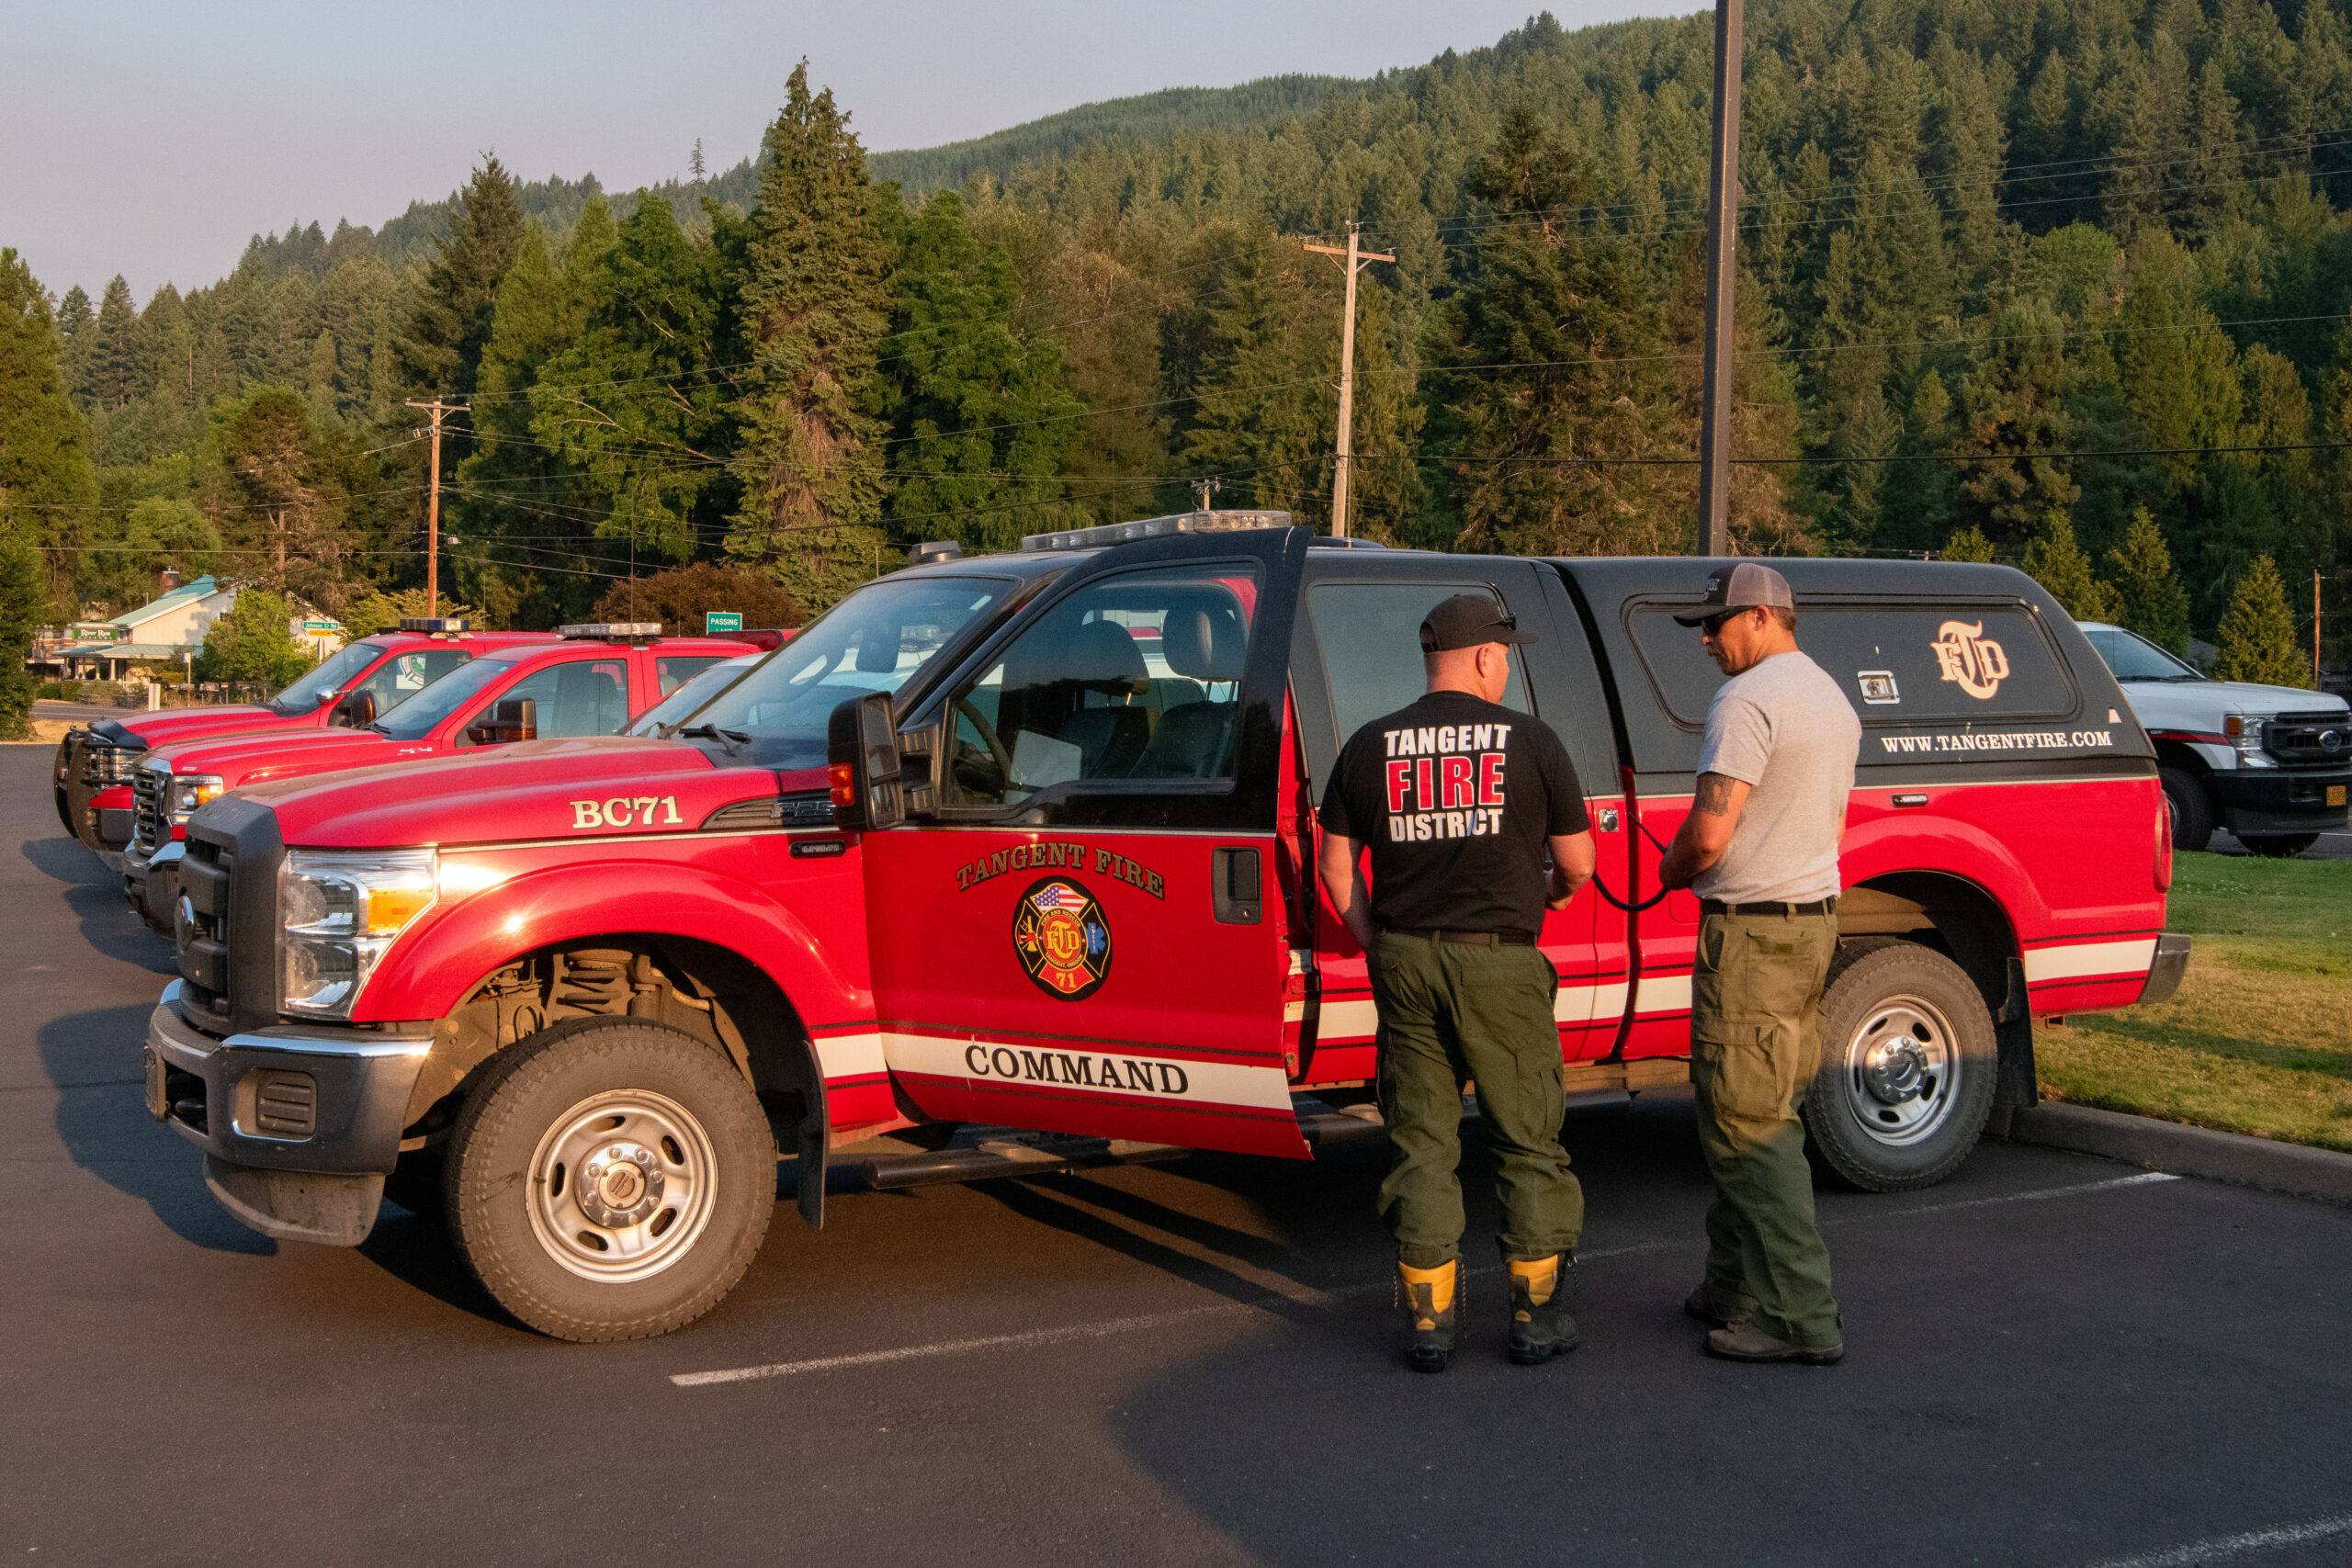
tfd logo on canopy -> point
(1971, 657)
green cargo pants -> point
(1451, 1012)
(1755, 1047)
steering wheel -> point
(988, 736)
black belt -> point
(1473, 939)
(1717, 907)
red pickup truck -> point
(585, 680)
(95, 763)
(1027, 842)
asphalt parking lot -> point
(2054, 1359)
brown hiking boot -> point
(1745, 1342)
(1428, 1297)
(1539, 1329)
(1703, 1304)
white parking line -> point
(2205, 1551)
(1118, 1325)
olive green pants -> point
(1755, 1047)
(1451, 1012)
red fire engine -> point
(1027, 842)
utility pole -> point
(1358, 259)
(1208, 489)
(1722, 236)
(2315, 685)
(433, 505)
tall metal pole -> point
(1357, 259)
(1723, 237)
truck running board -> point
(1033, 1154)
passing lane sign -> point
(713, 622)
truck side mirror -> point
(517, 718)
(357, 711)
(862, 763)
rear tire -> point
(2279, 846)
(2192, 811)
(1908, 1067)
(610, 1179)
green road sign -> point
(716, 621)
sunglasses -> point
(1714, 624)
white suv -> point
(2271, 764)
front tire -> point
(2279, 846)
(610, 1180)
(2192, 810)
(1907, 1059)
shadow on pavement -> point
(94, 894)
(93, 1058)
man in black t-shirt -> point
(1457, 797)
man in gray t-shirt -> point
(1759, 847)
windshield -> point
(2133, 657)
(871, 641)
(659, 719)
(329, 677)
(416, 717)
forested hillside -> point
(2062, 283)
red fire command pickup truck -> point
(586, 680)
(1027, 842)
(95, 764)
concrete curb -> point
(2266, 1163)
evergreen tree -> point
(980, 414)
(284, 512)
(74, 318)
(679, 598)
(2258, 633)
(1969, 544)
(1537, 452)
(810, 460)
(2012, 408)
(112, 367)
(47, 485)
(2056, 562)
(23, 606)
(642, 405)
(450, 322)
(2149, 598)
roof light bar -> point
(437, 625)
(612, 631)
(930, 550)
(1154, 528)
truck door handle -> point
(1236, 880)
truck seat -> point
(1194, 740)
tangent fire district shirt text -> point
(1454, 796)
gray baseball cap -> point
(1744, 585)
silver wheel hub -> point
(622, 1186)
(1901, 1068)
(1895, 1071)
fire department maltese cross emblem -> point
(1062, 939)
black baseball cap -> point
(1469, 620)
(1745, 586)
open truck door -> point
(1076, 927)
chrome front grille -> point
(105, 764)
(150, 820)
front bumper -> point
(151, 883)
(309, 1097)
(2274, 801)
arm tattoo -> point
(1715, 794)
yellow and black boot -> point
(1428, 1295)
(1539, 1329)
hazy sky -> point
(152, 139)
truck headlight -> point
(187, 794)
(2245, 734)
(339, 910)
